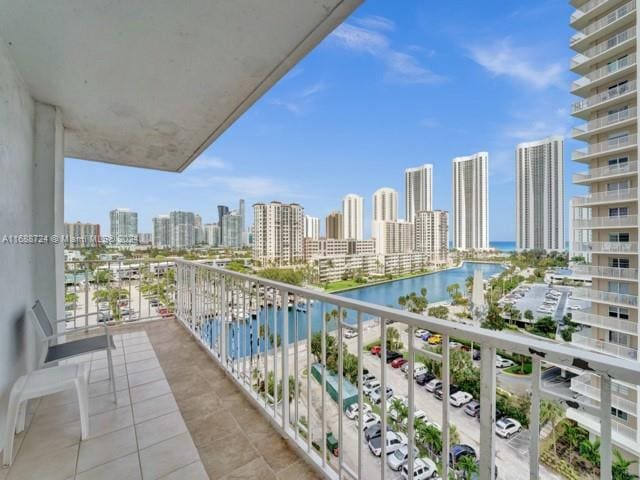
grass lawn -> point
(519, 370)
(342, 284)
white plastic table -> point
(43, 382)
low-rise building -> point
(404, 263)
(330, 269)
(331, 247)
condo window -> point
(619, 413)
(619, 338)
(619, 312)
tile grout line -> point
(135, 431)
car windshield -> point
(400, 454)
(502, 423)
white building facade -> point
(311, 227)
(418, 188)
(352, 216)
(540, 194)
(124, 227)
(278, 233)
(182, 228)
(471, 202)
(432, 234)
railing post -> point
(534, 424)
(605, 427)
(285, 360)
(487, 412)
(192, 292)
(223, 321)
(445, 405)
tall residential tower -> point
(278, 233)
(124, 226)
(352, 214)
(418, 190)
(471, 202)
(540, 194)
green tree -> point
(440, 311)
(400, 409)
(393, 339)
(468, 466)
(528, 314)
(590, 451)
(573, 436)
(550, 412)
(620, 467)
(453, 290)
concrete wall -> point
(31, 189)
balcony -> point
(609, 172)
(603, 26)
(603, 74)
(630, 221)
(586, 12)
(623, 436)
(604, 247)
(585, 107)
(609, 348)
(586, 384)
(582, 62)
(608, 122)
(602, 296)
(608, 197)
(608, 272)
(602, 321)
(615, 145)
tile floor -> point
(178, 417)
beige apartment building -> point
(605, 219)
(334, 226)
(432, 234)
(278, 233)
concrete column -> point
(48, 208)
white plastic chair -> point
(38, 384)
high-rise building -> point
(432, 234)
(161, 237)
(278, 233)
(540, 194)
(241, 212)
(418, 190)
(352, 215)
(182, 229)
(605, 220)
(311, 227)
(124, 227)
(83, 235)
(212, 234)
(385, 205)
(393, 237)
(198, 230)
(334, 226)
(471, 202)
(232, 230)
(222, 211)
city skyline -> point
(415, 122)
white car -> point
(459, 399)
(423, 468)
(419, 369)
(455, 344)
(370, 418)
(394, 441)
(544, 310)
(417, 415)
(575, 307)
(503, 362)
(350, 334)
(352, 410)
(369, 387)
(419, 332)
(368, 377)
(376, 395)
(507, 427)
(400, 457)
(433, 384)
(405, 368)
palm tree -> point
(402, 301)
(573, 436)
(454, 436)
(591, 451)
(393, 339)
(551, 411)
(620, 467)
(467, 464)
(453, 290)
(401, 410)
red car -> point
(398, 362)
(375, 350)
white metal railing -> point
(610, 272)
(117, 290)
(261, 332)
(604, 347)
(602, 321)
(588, 384)
(604, 96)
(603, 22)
(604, 247)
(606, 121)
(603, 46)
(604, 71)
(606, 222)
(586, 8)
(605, 296)
(617, 427)
(618, 195)
(606, 146)
(607, 171)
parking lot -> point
(535, 295)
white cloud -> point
(501, 58)
(301, 101)
(375, 22)
(400, 66)
(206, 162)
(248, 186)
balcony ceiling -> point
(151, 83)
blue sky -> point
(397, 85)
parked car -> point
(405, 369)
(367, 377)
(435, 340)
(394, 440)
(476, 354)
(417, 415)
(154, 302)
(352, 410)
(452, 389)
(453, 344)
(419, 369)
(105, 316)
(369, 387)
(391, 356)
(472, 408)
(375, 350)
(433, 384)
(575, 307)
(503, 362)
(458, 451)
(419, 332)
(460, 398)
(350, 333)
(426, 336)
(400, 456)
(398, 362)
(369, 419)
(507, 427)
(423, 468)
(377, 394)
(425, 378)
(374, 431)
